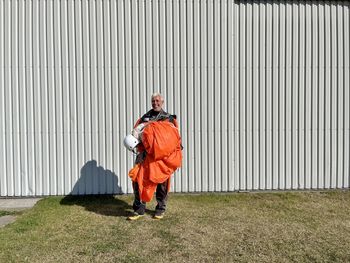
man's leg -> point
(138, 206)
(161, 196)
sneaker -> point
(134, 216)
(158, 215)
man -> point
(155, 114)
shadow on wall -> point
(96, 180)
(94, 191)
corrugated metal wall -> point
(261, 89)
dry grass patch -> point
(264, 227)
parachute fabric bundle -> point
(162, 142)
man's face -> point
(157, 103)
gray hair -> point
(157, 94)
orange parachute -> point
(161, 140)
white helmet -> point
(130, 142)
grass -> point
(245, 227)
(7, 213)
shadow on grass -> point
(97, 179)
(107, 205)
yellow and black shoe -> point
(158, 215)
(134, 216)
